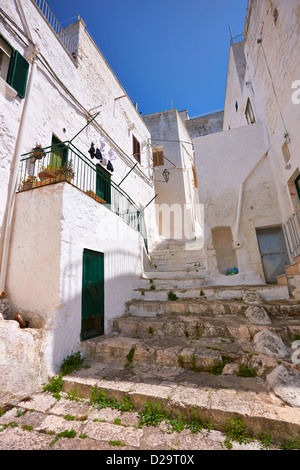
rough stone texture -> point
(257, 316)
(253, 298)
(19, 358)
(285, 383)
(271, 344)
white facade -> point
(177, 208)
(45, 230)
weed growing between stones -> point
(245, 371)
(117, 443)
(236, 430)
(172, 296)
(68, 434)
(129, 357)
(98, 398)
(71, 363)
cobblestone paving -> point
(41, 422)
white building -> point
(72, 244)
(80, 239)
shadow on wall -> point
(226, 256)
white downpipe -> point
(6, 234)
(237, 243)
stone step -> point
(170, 284)
(212, 293)
(157, 352)
(190, 256)
(233, 327)
(292, 269)
(154, 273)
(172, 266)
(282, 281)
(183, 392)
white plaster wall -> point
(53, 225)
(272, 66)
(20, 362)
(62, 96)
(178, 195)
(236, 152)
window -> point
(5, 54)
(249, 113)
(13, 67)
(59, 153)
(158, 157)
(103, 184)
(136, 149)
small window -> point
(136, 149)
(5, 55)
(249, 113)
(158, 157)
(13, 67)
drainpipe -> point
(30, 54)
(237, 243)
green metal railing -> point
(65, 162)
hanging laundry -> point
(98, 155)
(104, 161)
(92, 151)
(109, 166)
(111, 154)
(102, 144)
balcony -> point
(63, 162)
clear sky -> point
(164, 52)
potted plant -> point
(47, 172)
(37, 153)
(65, 172)
(94, 196)
(28, 183)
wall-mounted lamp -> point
(287, 138)
(166, 175)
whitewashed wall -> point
(63, 94)
(272, 51)
(45, 279)
(177, 197)
(236, 152)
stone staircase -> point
(292, 278)
(178, 333)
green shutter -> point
(18, 73)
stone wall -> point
(20, 359)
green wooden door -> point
(59, 153)
(92, 294)
(103, 184)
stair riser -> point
(172, 357)
(152, 329)
(169, 284)
(152, 309)
(156, 295)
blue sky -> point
(164, 52)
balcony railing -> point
(64, 162)
(292, 234)
(56, 27)
(237, 39)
